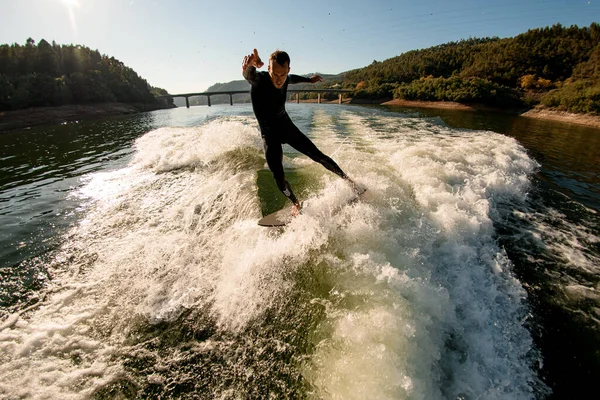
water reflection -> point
(40, 166)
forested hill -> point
(44, 74)
(555, 66)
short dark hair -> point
(280, 57)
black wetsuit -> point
(277, 128)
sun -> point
(70, 3)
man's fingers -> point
(246, 62)
(257, 59)
(252, 59)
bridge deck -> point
(232, 92)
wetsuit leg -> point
(274, 156)
(304, 145)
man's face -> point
(278, 73)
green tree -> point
(503, 72)
(49, 74)
(46, 60)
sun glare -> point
(70, 5)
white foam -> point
(166, 149)
(455, 181)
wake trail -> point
(169, 287)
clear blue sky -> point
(188, 45)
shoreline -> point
(41, 116)
(563, 116)
(539, 112)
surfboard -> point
(284, 216)
(278, 218)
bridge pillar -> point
(187, 102)
(298, 98)
(319, 98)
(208, 100)
(230, 99)
(340, 98)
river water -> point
(132, 265)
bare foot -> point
(357, 189)
(296, 209)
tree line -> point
(556, 66)
(44, 74)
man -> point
(269, 94)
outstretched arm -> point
(249, 65)
(302, 79)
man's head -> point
(279, 67)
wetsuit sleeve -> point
(251, 75)
(298, 79)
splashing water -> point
(169, 288)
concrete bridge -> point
(232, 92)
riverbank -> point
(538, 112)
(450, 105)
(38, 116)
(562, 116)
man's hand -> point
(316, 78)
(252, 60)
